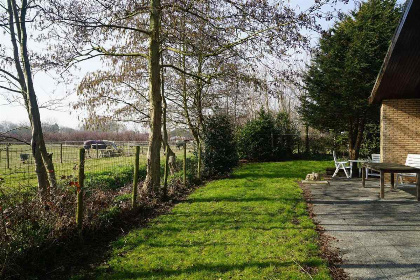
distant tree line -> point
(54, 133)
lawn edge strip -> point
(328, 253)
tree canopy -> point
(344, 68)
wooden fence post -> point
(185, 164)
(199, 160)
(7, 157)
(28, 174)
(61, 152)
(136, 177)
(166, 173)
(79, 186)
(97, 151)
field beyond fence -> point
(17, 166)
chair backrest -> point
(376, 158)
(335, 158)
(413, 160)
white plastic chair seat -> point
(376, 158)
(412, 160)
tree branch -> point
(12, 90)
(184, 72)
(105, 52)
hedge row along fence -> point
(79, 184)
(93, 192)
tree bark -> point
(356, 137)
(194, 129)
(152, 181)
(29, 96)
(165, 140)
(38, 136)
(200, 115)
(307, 151)
(355, 141)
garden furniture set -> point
(373, 167)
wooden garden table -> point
(392, 168)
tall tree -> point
(152, 181)
(111, 29)
(14, 18)
(344, 68)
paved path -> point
(378, 239)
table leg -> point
(382, 191)
(363, 176)
(418, 186)
(392, 181)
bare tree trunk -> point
(234, 110)
(200, 116)
(41, 171)
(34, 109)
(355, 141)
(29, 96)
(307, 148)
(152, 181)
(194, 130)
(168, 150)
(356, 137)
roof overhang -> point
(399, 77)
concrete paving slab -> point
(378, 239)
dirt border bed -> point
(78, 256)
(328, 253)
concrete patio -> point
(377, 239)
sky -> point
(47, 88)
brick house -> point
(397, 88)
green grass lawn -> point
(253, 225)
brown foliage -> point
(47, 234)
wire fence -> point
(17, 165)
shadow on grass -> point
(197, 268)
(252, 222)
(241, 199)
(230, 225)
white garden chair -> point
(376, 158)
(412, 160)
(341, 165)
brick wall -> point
(400, 129)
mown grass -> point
(253, 225)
